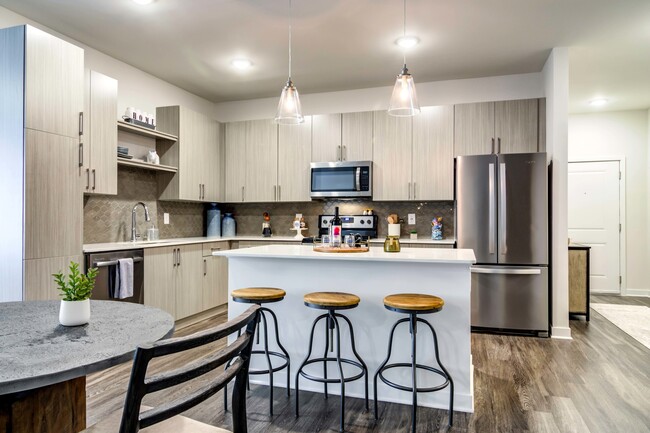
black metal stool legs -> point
(332, 326)
(414, 366)
(267, 353)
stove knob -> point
(363, 222)
(369, 222)
(324, 222)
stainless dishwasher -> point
(106, 262)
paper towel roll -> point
(394, 229)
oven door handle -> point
(105, 263)
(358, 179)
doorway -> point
(594, 194)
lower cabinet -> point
(215, 275)
(183, 280)
(39, 283)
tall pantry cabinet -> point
(41, 225)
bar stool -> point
(259, 296)
(414, 304)
(332, 301)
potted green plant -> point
(75, 289)
(414, 235)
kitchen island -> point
(299, 270)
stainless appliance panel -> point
(105, 263)
(476, 206)
(510, 298)
(341, 179)
(523, 209)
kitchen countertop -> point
(117, 246)
(426, 255)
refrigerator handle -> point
(492, 211)
(503, 241)
(505, 271)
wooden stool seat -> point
(413, 302)
(334, 300)
(258, 294)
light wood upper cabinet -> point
(392, 157)
(99, 141)
(54, 77)
(235, 155)
(474, 129)
(53, 204)
(189, 282)
(261, 161)
(326, 138)
(433, 154)
(160, 278)
(196, 154)
(357, 136)
(516, 126)
(294, 156)
(213, 171)
(497, 127)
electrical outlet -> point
(165, 218)
(411, 219)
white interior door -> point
(594, 219)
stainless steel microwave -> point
(341, 179)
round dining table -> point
(43, 365)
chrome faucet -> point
(146, 217)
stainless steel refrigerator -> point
(502, 214)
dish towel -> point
(125, 267)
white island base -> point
(371, 276)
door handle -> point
(339, 155)
(499, 145)
(503, 247)
(242, 193)
(414, 190)
(94, 179)
(491, 211)
(344, 153)
(492, 144)
(179, 256)
(81, 123)
(81, 154)
(505, 271)
(275, 193)
(409, 190)
(279, 192)
(205, 267)
(87, 179)
(174, 257)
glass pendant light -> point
(289, 109)
(404, 100)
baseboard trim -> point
(561, 333)
(637, 292)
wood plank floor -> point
(598, 382)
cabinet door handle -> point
(179, 256)
(275, 193)
(81, 123)
(279, 192)
(81, 154)
(409, 190)
(200, 192)
(492, 144)
(242, 193)
(339, 157)
(205, 267)
(344, 154)
(414, 190)
(499, 145)
(87, 179)
(94, 179)
(203, 191)
(174, 257)
(213, 249)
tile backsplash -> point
(108, 218)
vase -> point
(228, 226)
(74, 313)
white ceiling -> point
(341, 45)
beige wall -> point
(624, 134)
(136, 88)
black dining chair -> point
(166, 418)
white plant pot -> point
(74, 313)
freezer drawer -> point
(510, 298)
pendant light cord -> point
(404, 35)
(290, 23)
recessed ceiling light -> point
(598, 102)
(143, 2)
(241, 64)
(407, 41)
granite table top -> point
(36, 351)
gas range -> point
(362, 225)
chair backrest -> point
(141, 385)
